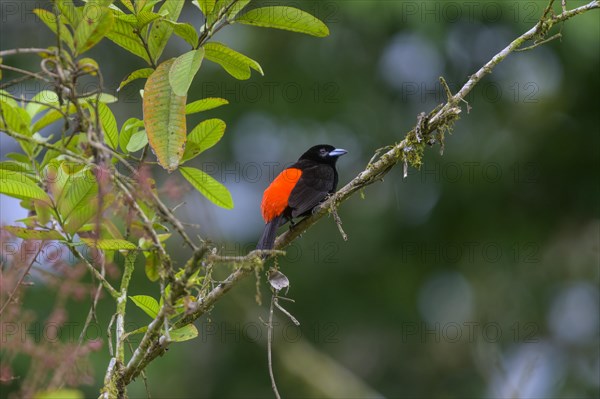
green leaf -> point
(209, 187)
(83, 215)
(184, 333)
(14, 167)
(148, 304)
(141, 5)
(237, 7)
(204, 105)
(6, 99)
(79, 190)
(123, 34)
(109, 244)
(129, 128)
(161, 31)
(46, 97)
(286, 18)
(146, 17)
(204, 136)
(236, 64)
(185, 31)
(69, 11)
(96, 22)
(60, 394)
(49, 19)
(52, 116)
(103, 98)
(184, 70)
(30, 234)
(129, 5)
(206, 6)
(151, 267)
(140, 330)
(138, 141)
(138, 74)
(14, 118)
(109, 125)
(164, 117)
(22, 188)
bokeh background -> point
(476, 276)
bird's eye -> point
(323, 152)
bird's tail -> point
(267, 240)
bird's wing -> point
(312, 188)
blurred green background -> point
(476, 276)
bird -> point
(298, 189)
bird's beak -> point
(338, 152)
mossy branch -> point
(429, 129)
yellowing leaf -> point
(164, 117)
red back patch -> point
(275, 198)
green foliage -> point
(137, 74)
(148, 304)
(129, 128)
(185, 31)
(81, 175)
(202, 137)
(287, 18)
(161, 31)
(183, 70)
(138, 141)
(29, 234)
(60, 394)
(97, 20)
(109, 244)
(204, 105)
(109, 125)
(236, 64)
(22, 188)
(184, 333)
(208, 186)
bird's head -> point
(323, 153)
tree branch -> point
(407, 151)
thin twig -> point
(541, 42)
(338, 221)
(24, 72)
(269, 347)
(14, 51)
(20, 281)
